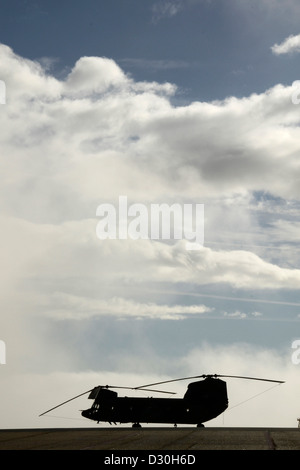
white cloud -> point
(236, 314)
(94, 75)
(288, 46)
(72, 249)
(131, 140)
(73, 307)
(78, 142)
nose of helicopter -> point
(86, 413)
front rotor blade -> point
(57, 406)
(139, 388)
(168, 381)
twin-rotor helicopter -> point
(203, 401)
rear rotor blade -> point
(252, 378)
(203, 376)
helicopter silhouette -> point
(203, 401)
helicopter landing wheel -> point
(200, 425)
(136, 425)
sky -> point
(161, 102)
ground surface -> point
(188, 439)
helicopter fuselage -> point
(203, 401)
